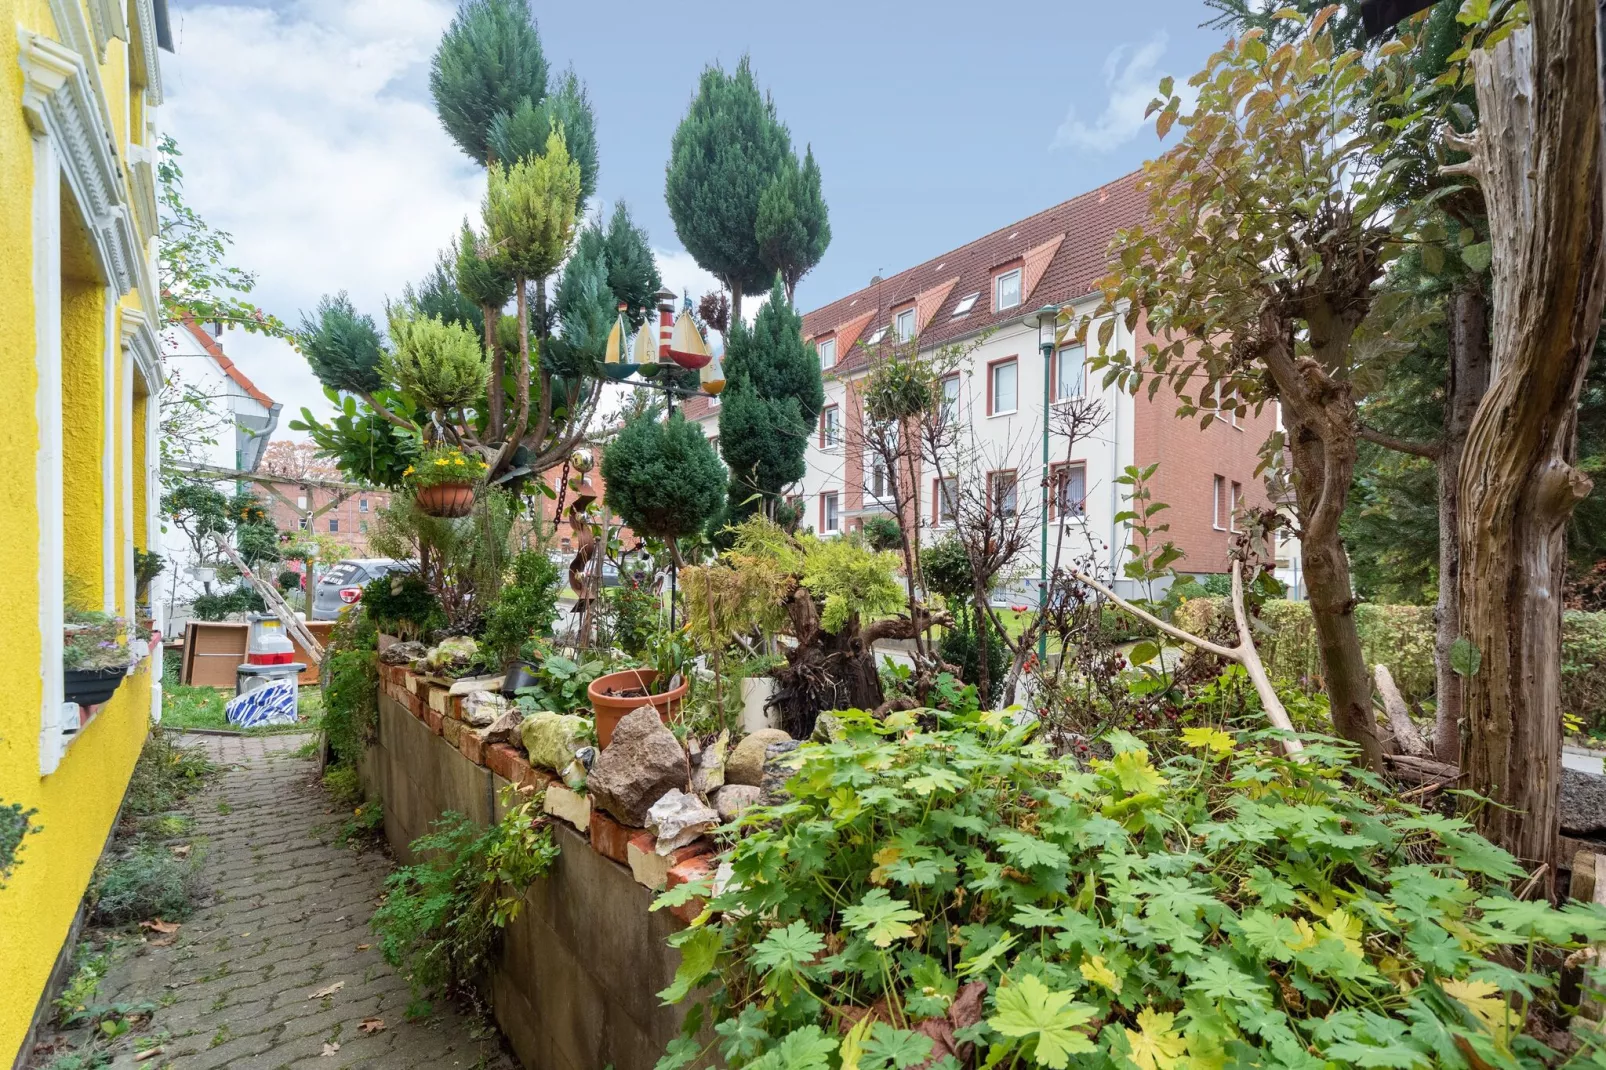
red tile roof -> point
(215, 351)
(1064, 251)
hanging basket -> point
(91, 687)
(447, 499)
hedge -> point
(1402, 638)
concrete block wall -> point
(576, 981)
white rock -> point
(678, 818)
(469, 684)
(483, 707)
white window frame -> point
(945, 516)
(830, 513)
(992, 387)
(831, 427)
(1059, 373)
(951, 406)
(903, 325)
(998, 289)
(827, 350)
(1218, 491)
(993, 498)
(1058, 499)
(1235, 494)
(966, 303)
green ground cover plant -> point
(940, 887)
(441, 916)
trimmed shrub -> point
(1401, 637)
(524, 610)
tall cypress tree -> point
(632, 270)
(772, 400)
(438, 296)
(489, 60)
(523, 131)
(726, 152)
(793, 227)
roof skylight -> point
(880, 333)
(965, 304)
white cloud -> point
(308, 135)
(1131, 76)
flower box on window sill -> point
(93, 687)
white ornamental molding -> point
(139, 338)
(143, 51)
(142, 187)
(106, 20)
(59, 102)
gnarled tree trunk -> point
(1468, 379)
(1322, 430)
(1537, 156)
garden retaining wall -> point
(575, 983)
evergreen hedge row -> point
(1402, 638)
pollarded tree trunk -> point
(1467, 381)
(494, 393)
(1537, 156)
(1322, 429)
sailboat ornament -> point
(684, 345)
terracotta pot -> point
(610, 710)
(447, 499)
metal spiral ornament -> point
(583, 538)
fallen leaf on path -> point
(148, 1053)
(364, 947)
(181, 850)
(330, 1049)
(372, 1025)
(328, 991)
(160, 926)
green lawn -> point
(184, 706)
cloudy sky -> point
(308, 132)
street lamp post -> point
(1045, 345)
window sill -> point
(1002, 412)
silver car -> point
(342, 585)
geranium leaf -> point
(1029, 1009)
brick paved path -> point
(287, 918)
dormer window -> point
(904, 325)
(965, 304)
(1006, 290)
(827, 350)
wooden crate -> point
(213, 649)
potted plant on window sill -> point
(662, 684)
(95, 656)
(443, 481)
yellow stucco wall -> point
(78, 802)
